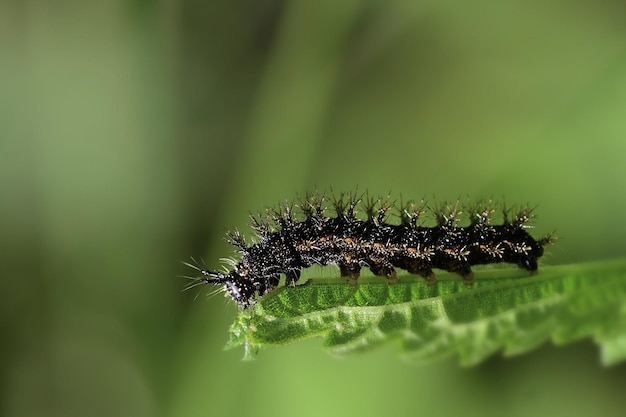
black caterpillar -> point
(289, 240)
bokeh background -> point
(133, 133)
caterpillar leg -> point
(383, 269)
(292, 276)
(465, 271)
(422, 269)
(350, 271)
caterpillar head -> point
(240, 290)
(531, 252)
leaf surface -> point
(505, 310)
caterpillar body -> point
(299, 235)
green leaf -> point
(505, 310)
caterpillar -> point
(300, 234)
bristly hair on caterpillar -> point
(312, 231)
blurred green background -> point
(133, 133)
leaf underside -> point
(504, 310)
